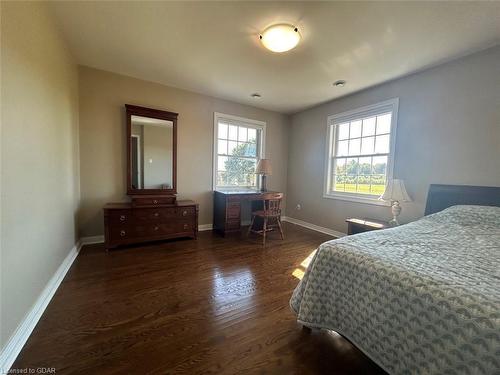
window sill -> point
(373, 200)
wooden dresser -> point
(154, 213)
(136, 222)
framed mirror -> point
(151, 151)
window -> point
(360, 152)
(238, 146)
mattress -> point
(421, 298)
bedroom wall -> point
(102, 141)
(448, 132)
(39, 157)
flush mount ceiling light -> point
(280, 38)
(339, 83)
(256, 95)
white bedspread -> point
(422, 298)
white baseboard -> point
(315, 227)
(204, 227)
(92, 240)
(23, 331)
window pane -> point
(382, 144)
(379, 165)
(340, 166)
(222, 147)
(239, 171)
(367, 145)
(250, 149)
(368, 126)
(355, 129)
(342, 149)
(339, 183)
(378, 184)
(384, 124)
(242, 134)
(252, 179)
(233, 132)
(352, 166)
(242, 149)
(343, 131)
(365, 166)
(232, 148)
(350, 184)
(252, 135)
(221, 163)
(222, 130)
(354, 145)
(364, 184)
(222, 179)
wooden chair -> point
(270, 216)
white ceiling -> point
(213, 47)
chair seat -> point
(262, 213)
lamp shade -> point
(395, 191)
(264, 167)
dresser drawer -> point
(162, 214)
(185, 226)
(185, 211)
(233, 210)
(141, 230)
(120, 217)
(152, 201)
(159, 214)
(118, 233)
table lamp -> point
(264, 169)
(395, 192)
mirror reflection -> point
(151, 153)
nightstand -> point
(364, 225)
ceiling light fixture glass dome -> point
(280, 38)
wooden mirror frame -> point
(133, 110)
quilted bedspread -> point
(422, 298)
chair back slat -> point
(272, 204)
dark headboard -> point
(444, 196)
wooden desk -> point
(227, 207)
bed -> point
(422, 298)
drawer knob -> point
(155, 201)
(122, 233)
(156, 228)
(184, 213)
(157, 214)
(122, 217)
(185, 226)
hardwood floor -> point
(215, 305)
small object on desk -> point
(355, 226)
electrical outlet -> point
(298, 207)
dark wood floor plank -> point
(211, 306)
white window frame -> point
(388, 105)
(236, 120)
